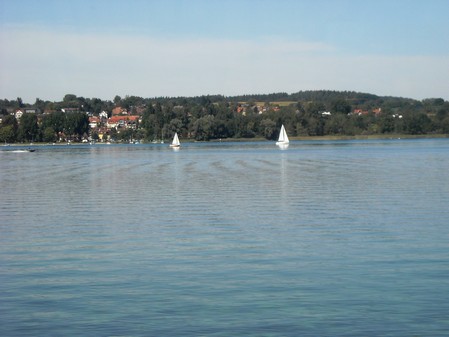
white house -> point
(18, 113)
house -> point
(377, 111)
(118, 110)
(360, 112)
(103, 117)
(94, 122)
(18, 113)
(140, 110)
(31, 110)
(129, 122)
(70, 110)
(103, 133)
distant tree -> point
(442, 112)
(125, 135)
(50, 106)
(76, 124)
(159, 118)
(203, 128)
(335, 125)
(28, 128)
(55, 120)
(417, 123)
(149, 123)
(9, 120)
(139, 134)
(268, 128)
(433, 101)
(7, 134)
(445, 125)
(340, 106)
(39, 104)
(113, 134)
(315, 126)
(300, 108)
(175, 125)
(69, 98)
(9, 129)
(49, 134)
(223, 128)
(20, 103)
(300, 129)
(95, 136)
(314, 108)
(360, 124)
(131, 101)
(71, 101)
(244, 126)
(387, 123)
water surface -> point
(338, 238)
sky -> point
(150, 48)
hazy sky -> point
(149, 48)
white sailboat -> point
(175, 142)
(283, 138)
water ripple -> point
(330, 238)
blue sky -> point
(103, 48)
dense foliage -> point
(305, 113)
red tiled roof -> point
(116, 119)
(118, 110)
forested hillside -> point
(304, 113)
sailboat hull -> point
(282, 146)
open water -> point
(344, 238)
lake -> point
(324, 238)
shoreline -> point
(327, 138)
(301, 138)
(361, 137)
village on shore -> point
(134, 119)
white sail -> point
(175, 142)
(283, 138)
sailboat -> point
(283, 138)
(175, 142)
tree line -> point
(305, 113)
(73, 126)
